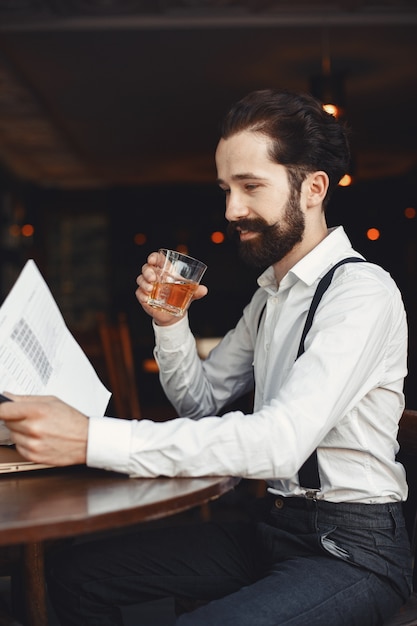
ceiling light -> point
(329, 86)
(330, 90)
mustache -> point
(255, 225)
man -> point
(328, 552)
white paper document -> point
(39, 355)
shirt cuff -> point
(172, 337)
(108, 445)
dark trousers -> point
(308, 563)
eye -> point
(251, 186)
(224, 190)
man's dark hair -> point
(305, 138)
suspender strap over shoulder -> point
(308, 474)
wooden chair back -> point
(118, 355)
(407, 438)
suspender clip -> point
(311, 494)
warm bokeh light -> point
(14, 230)
(373, 234)
(139, 239)
(150, 366)
(345, 181)
(182, 247)
(332, 109)
(217, 236)
(410, 212)
(27, 230)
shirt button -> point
(279, 503)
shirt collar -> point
(335, 246)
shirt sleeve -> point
(356, 344)
(198, 388)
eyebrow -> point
(246, 176)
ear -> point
(317, 186)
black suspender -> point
(308, 474)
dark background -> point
(109, 116)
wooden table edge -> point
(40, 532)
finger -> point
(200, 292)
(146, 283)
(24, 409)
(143, 297)
(10, 411)
(29, 398)
(153, 258)
(34, 450)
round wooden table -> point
(63, 502)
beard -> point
(276, 240)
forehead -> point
(244, 146)
(246, 153)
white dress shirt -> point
(343, 396)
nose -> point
(235, 207)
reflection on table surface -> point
(62, 501)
